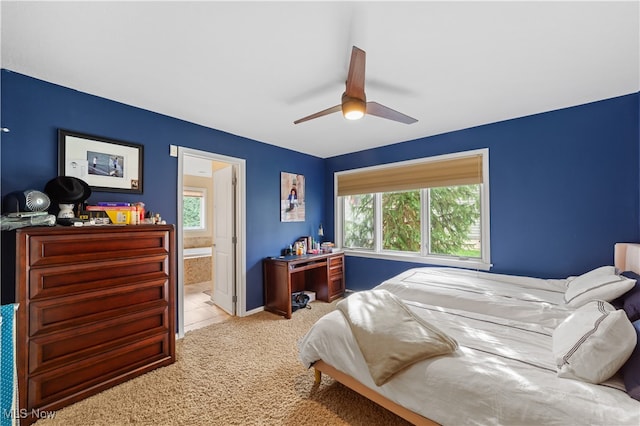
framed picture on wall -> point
(105, 164)
(291, 197)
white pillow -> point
(596, 285)
(603, 270)
(593, 342)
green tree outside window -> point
(453, 211)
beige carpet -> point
(244, 371)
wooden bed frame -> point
(626, 258)
(410, 416)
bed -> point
(520, 350)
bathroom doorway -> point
(211, 252)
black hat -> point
(67, 189)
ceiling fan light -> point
(353, 108)
(353, 115)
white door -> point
(223, 250)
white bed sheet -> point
(503, 373)
(527, 299)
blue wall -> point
(33, 110)
(565, 185)
(564, 188)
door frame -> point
(241, 227)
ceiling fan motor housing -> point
(351, 105)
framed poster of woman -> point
(291, 197)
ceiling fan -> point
(354, 103)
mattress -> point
(502, 373)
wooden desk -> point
(320, 273)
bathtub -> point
(195, 252)
(198, 265)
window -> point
(193, 209)
(433, 210)
(454, 221)
(358, 221)
(401, 221)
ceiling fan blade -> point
(379, 110)
(355, 78)
(319, 114)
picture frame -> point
(292, 197)
(105, 164)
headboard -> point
(627, 257)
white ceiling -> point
(252, 68)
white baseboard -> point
(253, 311)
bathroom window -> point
(193, 209)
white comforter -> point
(503, 371)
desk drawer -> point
(336, 272)
(336, 261)
(336, 288)
(336, 267)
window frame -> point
(203, 209)
(423, 257)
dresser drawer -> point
(63, 385)
(77, 247)
(57, 349)
(86, 308)
(70, 279)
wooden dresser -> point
(320, 273)
(96, 309)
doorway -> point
(210, 237)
